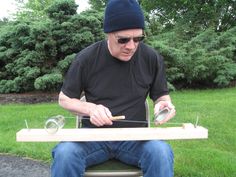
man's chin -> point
(125, 57)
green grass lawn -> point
(214, 157)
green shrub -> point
(206, 60)
(64, 64)
(31, 52)
(48, 82)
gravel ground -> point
(13, 166)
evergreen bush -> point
(35, 55)
(206, 60)
(48, 82)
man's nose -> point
(130, 45)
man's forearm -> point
(74, 105)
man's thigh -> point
(133, 152)
(91, 153)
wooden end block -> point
(187, 125)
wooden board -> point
(188, 131)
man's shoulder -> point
(89, 52)
(91, 48)
(149, 52)
(148, 49)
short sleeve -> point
(73, 82)
(159, 84)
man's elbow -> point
(62, 99)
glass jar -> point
(53, 124)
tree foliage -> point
(206, 60)
(193, 14)
(196, 38)
(32, 9)
(36, 54)
(62, 10)
(98, 4)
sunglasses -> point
(125, 40)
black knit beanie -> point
(122, 15)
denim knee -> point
(158, 151)
(67, 160)
(157, 159)
(66, 152)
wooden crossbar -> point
(187, 131)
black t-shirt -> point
(121, 86)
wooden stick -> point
(113, 134)
(114, 118)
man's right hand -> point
(100, 115)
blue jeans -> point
(70, 159)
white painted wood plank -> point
(113, 134)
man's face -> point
(123, 44)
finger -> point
(157, 108)
(94, 115)
(102, 115)
(108, 118)
(170, 105)
(160, 105)
(95, 121)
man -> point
(116, 76)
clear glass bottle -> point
(53, 124)
(162, 114)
